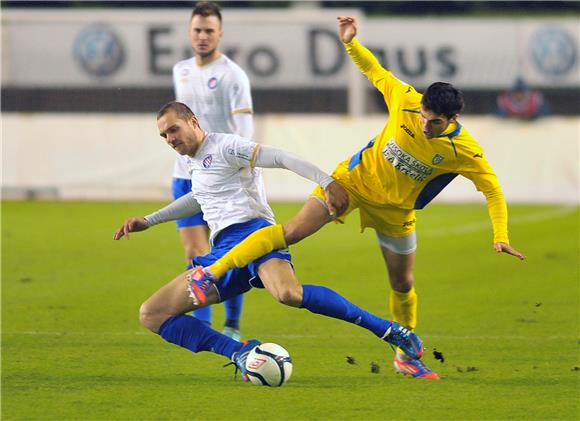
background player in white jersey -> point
(227, 187)
(218, 91)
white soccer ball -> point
(269, 365)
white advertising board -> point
(284, 48)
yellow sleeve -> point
(391, 87)
(481, 174)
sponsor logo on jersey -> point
(437, 159)
(239, 154)
(406, 163)
(207, 161)
(212, 83)
(408, 131)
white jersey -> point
(225, 184)
(214, 92)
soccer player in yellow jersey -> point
(421, 149)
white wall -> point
(109, 156)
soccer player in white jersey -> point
(218, 91)
(229, 190)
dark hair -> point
(183, 111)
(443, 98)
(205, 9)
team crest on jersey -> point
(212, 83)
(437, 159)
(207, 161)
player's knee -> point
(291, 296)
(402, 282)
(148, 318)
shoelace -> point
(243, 359)
(236, 368)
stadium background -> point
(86, 78)
(81, 83)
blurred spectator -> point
(521, 102)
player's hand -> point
(131, 225)
(506, 248)
(346, 28)
(336, 199)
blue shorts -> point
(180, 187)
(240, 280)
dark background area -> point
(368, 7)
(562, 101)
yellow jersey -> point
(402, 168)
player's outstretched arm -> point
(506, 248)
(133, 224)
(347, 28)
(184, 206)
(336, 195)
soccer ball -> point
(269, 365)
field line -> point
(486, 225)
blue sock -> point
(203, 314)
(195, 335)
(233, 311)
(322, 300)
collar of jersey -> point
(453, 132)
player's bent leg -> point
(310, 219)
(313, 216)
(279, 279)
(170, 300)
(399, 255)
(194, 236)
(163, 313)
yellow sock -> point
(253, 247)
(404, 308)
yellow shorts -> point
(388, 220)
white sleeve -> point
(270, 157)
(239, 92)
(239, 152)
(244, 123)
(176, 83)
(186, 205)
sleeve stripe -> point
(242, 110)
(255, 155)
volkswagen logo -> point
(99, 50)
(554, 51)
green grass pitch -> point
(72, 347)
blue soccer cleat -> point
(239, 358)
(402, 337)
(413, 367)
(198, 284)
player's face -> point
(179, 134)
(432, 124)
(205, 33)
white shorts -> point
(399, 245)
